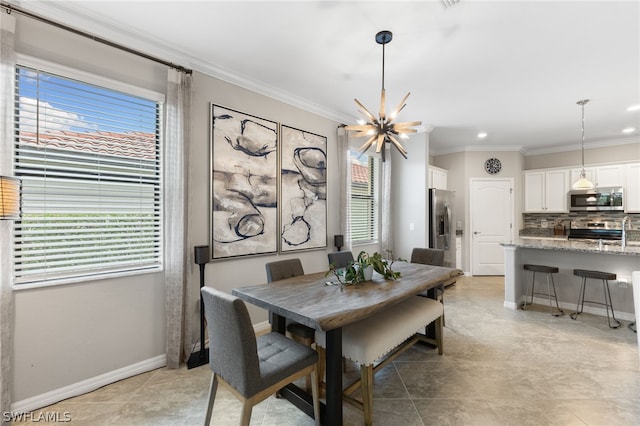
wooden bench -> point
(382, 338)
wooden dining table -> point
(318, 301)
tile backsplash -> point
(533, 222)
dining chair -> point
(280, 270)
(253, 368)
(429, 256)
(340, 259)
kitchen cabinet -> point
(546, 191)
(632, 188)
(437, 178)
(602, 176)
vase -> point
(368, 273)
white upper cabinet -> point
(437, 178)
(602, 176)
(546, 191)
(632, 188)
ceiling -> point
(512, 69)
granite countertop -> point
(584, 246)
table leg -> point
(334, 377)
(279, 324)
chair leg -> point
(322, 362)
(315, 394)
(247, 407)
(609, 304)
(526, 294)
(439, 333)
(552, 285)
(307, 342)
(213, 387)
(580, 299)
(366, 375)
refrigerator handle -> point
(447, 229)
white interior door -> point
(492, 213)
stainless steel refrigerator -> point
(442, 231)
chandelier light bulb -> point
(382, 130)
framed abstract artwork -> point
(303, 190)
(244, 182)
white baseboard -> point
(262, 328)
(88, 385)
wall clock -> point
(492, 166)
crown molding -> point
(588, 145)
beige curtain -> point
(177, 116)
(7, 70)
(344, 169)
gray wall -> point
(70, 333)
(625, 151)
(228, 274)
(409, 188)
(462, 167)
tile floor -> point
(500, 367)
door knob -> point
(476, 233)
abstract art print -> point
(244, 181)
(303, 190)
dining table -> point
(319, 301)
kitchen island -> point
(568, 255)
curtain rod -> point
(10, 8)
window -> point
(89, 160)
(365, 170)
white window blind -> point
(89, 160)
(364, 198)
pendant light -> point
(583, 182)
(381, 129)
(10, 198)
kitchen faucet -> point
(625, 220)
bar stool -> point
(549, 270)
(598, 275)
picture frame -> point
(303, 190)
(244, 184)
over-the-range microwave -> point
(597, 199)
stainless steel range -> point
(595, 230)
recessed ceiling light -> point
(634, 108)
(482, 135)
(629, 130)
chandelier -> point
(380, 130)
(583, 182)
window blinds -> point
(89, 160)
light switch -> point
(412, 227)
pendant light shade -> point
(382, 130)
(9, 198)
(583, 182)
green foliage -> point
(354, 272)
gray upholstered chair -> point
(253, 368)
(427, 256)
(340, 259)
(280, 270)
